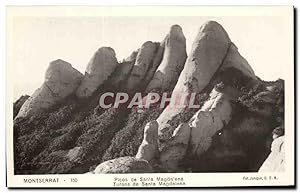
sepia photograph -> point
(167, 94)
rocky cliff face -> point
(172, 63)
(62, 128)
(143, 62)
(208, 52)
(61, 80)
(102, 64)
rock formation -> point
(212, 117)
(276, 160)
(120, 74)
(230, 130)
(175, 149)
(124, 165)
(172, 153)
(208, 52)
(235, 60)
(61, 80)
(100, 67)
(172, 63)
(143, 61)
(119, 77)
(132, 56)
(156, 62)
(148, 149)
(18, 104)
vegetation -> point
(43, 142)
(40, 138)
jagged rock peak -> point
(61, 80)
(174, 57)
(61, 70)
(102, 53)
(58, 63)
(100, 67)
(156, 61)
(208, 52)
(143, 61)
(108, 50)
(176, 31)
(215, 27)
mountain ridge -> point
(75, 135)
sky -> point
(39, 40)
